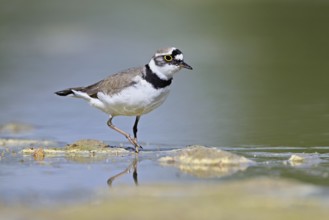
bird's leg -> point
(135, 127)
(131, 140)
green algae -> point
(85, 147)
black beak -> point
(185, 65)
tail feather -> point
(66, 92)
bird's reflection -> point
(132, 167)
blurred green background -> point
(260, 68)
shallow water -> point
(259, 88)
(59, 179)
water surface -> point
(259, 87)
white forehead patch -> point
(179, 57)
(170, 50)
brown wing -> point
(114, 83)
(110, 85)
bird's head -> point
(166, 62)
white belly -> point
(134, 100)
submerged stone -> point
(38, 154)
(304, 159)
(15, 127)
(87, 144)
(297, 158)
(12, 142)
(204, 161)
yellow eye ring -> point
(168, 58)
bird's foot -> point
(138, 148)
(135, 143)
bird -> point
(135, 91)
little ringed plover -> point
(135, 91)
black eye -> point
(168, 58)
